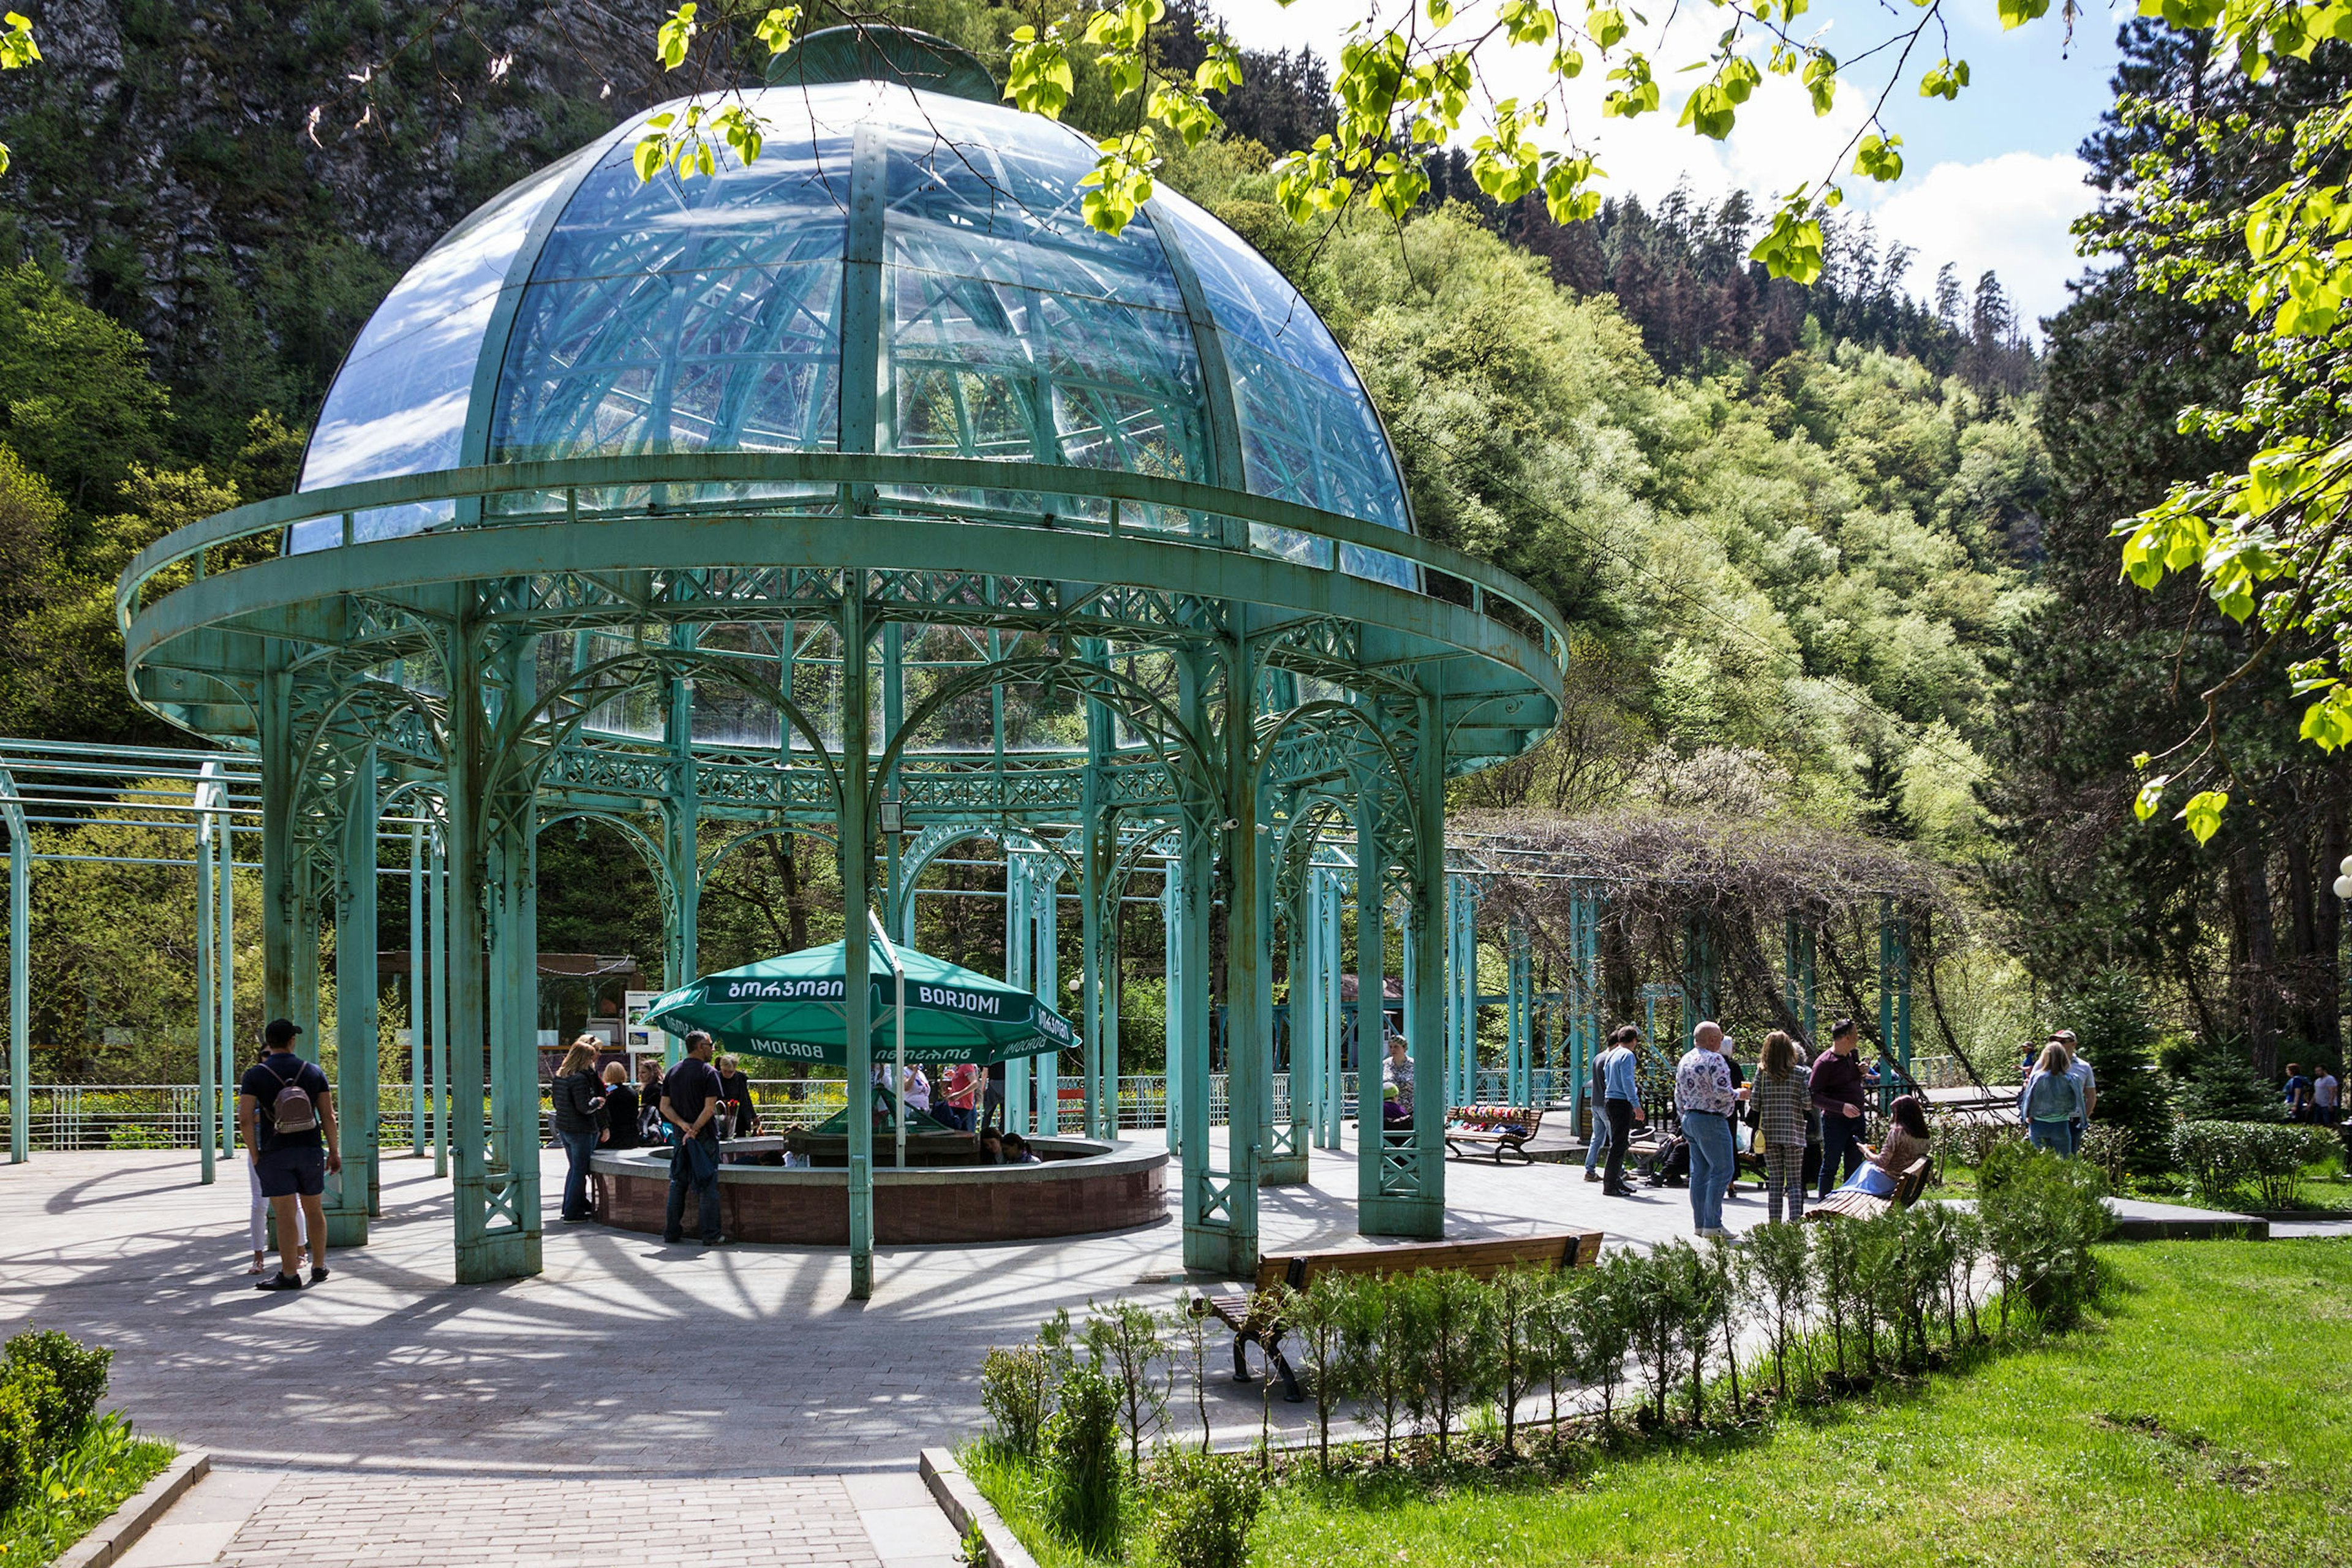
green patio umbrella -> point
(790, 1006)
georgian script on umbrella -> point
(783, 990)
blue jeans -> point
(2058, 1137)
(1711, 1165)
(1841, 1145)
(693, 1164)
(1598, 1144)
(577, 1147)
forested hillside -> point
(1832, 550)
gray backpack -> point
(292, 1109)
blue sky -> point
(1990, 180)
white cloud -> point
(2008, 214)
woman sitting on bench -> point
(1906, 1139)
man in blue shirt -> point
(1622, 1096)
(286, 1109)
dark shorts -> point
(292, 1172)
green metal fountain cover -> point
(875, 53)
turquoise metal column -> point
(1171, 919)
(437, 1007)
(1894, 995)
(1698, 977)
(1410, 1171)
(207, 1088)
(514, 1032)
(1204, 1239)
(1800, 956)
(20, 1034)
(1249, 989)
(856, 872)
(681, 846)
(351, 1194)
(417, 1048)
(1044, 980)
(1020, 938)
(1371, 998)
(1518, 1008)
(1335, 1059)
(277, 867)
(226, 928)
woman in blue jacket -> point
(2050, 1102)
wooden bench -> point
(1257, 1318)
(1845, 1205)
(1503, 1129)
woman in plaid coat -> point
(1780, 1094)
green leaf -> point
(2327, 723)
(1878, 158)
(17, 49)
(2203, 814)
(674, 36)
(2017, 13)
(778, 28)
(2150, 798)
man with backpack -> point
(286, 1109)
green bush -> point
(2041, 1216)
(1013, 1394)
(2224, 1160)
(20, 1443)
(64, 1379)
(1202, 1506)
(1081, 1441)
(2217, 1082)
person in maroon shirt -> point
(1840, 1083)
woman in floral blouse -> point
(1706, 1102)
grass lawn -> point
(2203, 1416)
(79, 1489)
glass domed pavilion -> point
(861, 491)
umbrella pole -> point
(899, 1063)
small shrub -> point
(2266, 1158)
(1774, 1266)
(65, 1378)
(1081, 1442)
(2112, 1148)
(20, 1443)
(1126, 1338)
(2041, 1216)
(1330, 1354)
(1202, 1507)
(1013, 1391)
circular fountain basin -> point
(1078, 1186)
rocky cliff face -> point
(240, 181)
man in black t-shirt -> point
(286, 1110)
(991, 1097)
(689, 1102)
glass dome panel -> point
(1017, 332)
(1308, 432)
(398, 404)
(685, 315)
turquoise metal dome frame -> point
(863, 491)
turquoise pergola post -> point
(416, 939)
(225, 974)
(1699, 976)
(1519, 1008)
(438, 1012)
(1462, 990)
(1371, 995)
(1803, 992)
(1893, 995)
(351, 1194)
(20, 1032)
(856, 871)
(208, 1106)
(1172, 1073)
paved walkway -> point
(732, 1405)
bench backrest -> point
(1911, 1182)
(1483, 1259)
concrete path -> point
(636, 1399)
